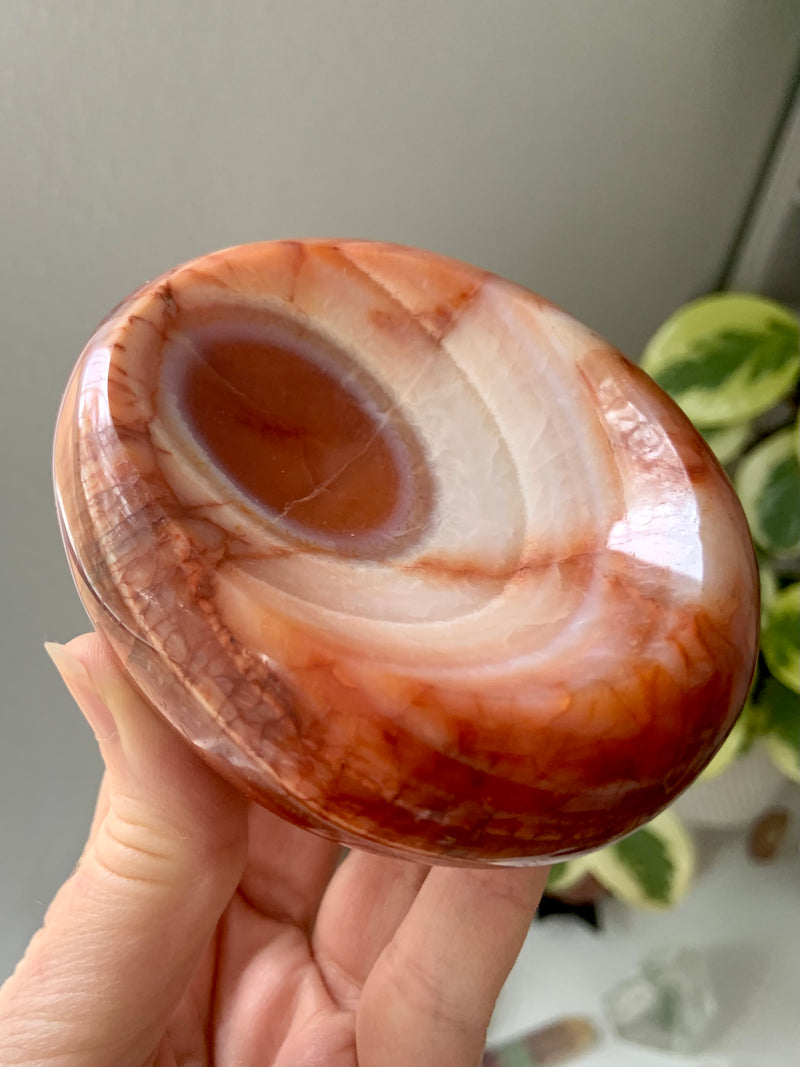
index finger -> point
(287, 868)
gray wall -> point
(601, 152)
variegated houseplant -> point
(731, 362)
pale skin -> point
(199, 930)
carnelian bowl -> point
(408, 554)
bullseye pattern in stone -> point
(405, 551)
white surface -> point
(600, 152)
(744, 916)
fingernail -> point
(76, 679)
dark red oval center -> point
(282, 424)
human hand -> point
(199, 929)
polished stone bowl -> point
(408, 554)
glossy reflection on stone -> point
(406, 552)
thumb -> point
(124, 934)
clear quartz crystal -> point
(668, 1004)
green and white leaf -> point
(769, 589)
(726, 357)
(784, 756)
(727, 442)
(780, 637)
(569, 873)
(781, 708)
(733, 746)
(768, 484)
(652, 867)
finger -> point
(367, 899)
(123, 936)
(100, 810)
(287, 869)
(431, 994)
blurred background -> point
(620, 157)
